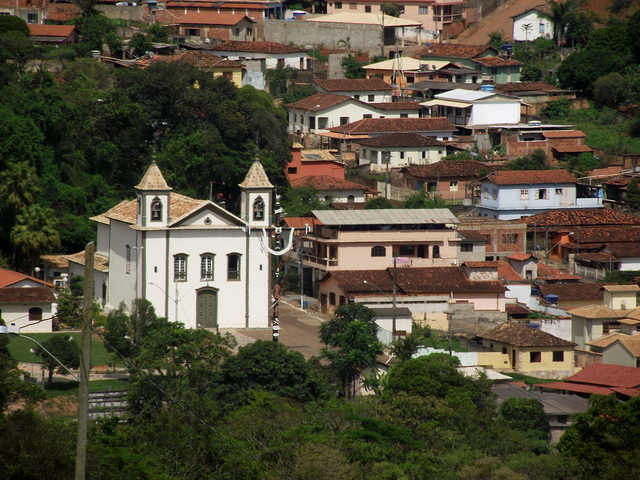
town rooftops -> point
(520, 256)
(518, 87)
(621, 288)
(126, 210)
(483, 264)
(256, 47)
(455, 50)
(572, 291)
(320, 101)
(625, 250)
(50, 30)
(447, 168)
(400, 216)
(496, 62)
(198, 58)
(564, 134)
(392, 125)
(10, 277)
(29, 295)
(530, 177)
(327, 182)
(396, 105)
(630, 342)
(396, 140)
(552, 274)
(100, 262)
(595, 312)
(213, 18)
(612, 234)
(523, 336)
(607, 375)
(364, 19)
(353, 85)
(580, 217)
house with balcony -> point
(204, 26)
(372, 239)
(402, 71)
(508, 195)
(469, 109)
(458, 54)
(399, 150)
(370, 90)
(451, 179)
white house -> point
(258, 57)
(322, 111)
(468, 108)
(369, 90)
(507, 195)
(399, 150)
(335, 190)
(531, 25)
(29, 308)
(197, 263)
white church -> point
(197, 263)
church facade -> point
(197, 263)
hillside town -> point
(312, 240)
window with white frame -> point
(453, 186)
(423, 10)
(524, 194)
(206, 267)
(180, 268)
(233, 266)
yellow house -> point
(621, 297)
(209, 63)
(527, 350)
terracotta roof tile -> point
(256, 47)
(397, 105)
(153, 180)
(607, 376)
(551, 274)
(572, 148)
(530, 177)
(594, 312)
(496, 62)
(353, 85)
(256, 177)
(447, 168)
(526, 87)
(506, 273)
(610, 235)
(57, 261)
(516, 309)
(395, 140)
(212, 18)
(579, 217)
(320, 101)
(10, 277)
(327, 182)
(454, 50)
(564, 134)
(576, 388)
(520, 256)
(100, 262)
(26, 295)
(391, 125)
(573, 291)
(523, 336)
(198, 58)
(483, 264)
(50, 30)
(352, 205)
(472, 235)
(625, 250)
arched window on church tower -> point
(156, 210)
(258, 209)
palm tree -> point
(34, 233)
(18, 186)
(560, 14)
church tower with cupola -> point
(153, 196)
(255, 197)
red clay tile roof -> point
(496, 62)
(506, 273)
(391, 125)
(551, 274)
(454, 50)
(26, 295)
(353, 205)
(573, 291)
(612, 234)
(327, 182)
(50, 30)
(354, 85)
(578, 217)
(397, 105)
(198, 58)
(320, 101)
(572, 148)
(576, 388)
(411, 281)
(482, 264)
(100, 262)
(520, 256)
(564, 134)
(607, 376)
(625, 250)
(447, 168)
(597, 257)
(395, 140)
(299, 222)
(523, 336)
(255, 47)
(516, 309)
(10, 277)
(57, 261)
(472, 235)
(526, 87)
(529, 177)
(212, 18)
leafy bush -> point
(622, 277)
(556, 109)
(530, 73)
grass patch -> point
(61, 389)
(20, 348)
(518, 377)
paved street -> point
(298, 328)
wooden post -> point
(85, 363)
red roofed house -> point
(527, 350)
(398, 150)
(27, 302)
(54, 34)
(335, 190)
(524, 264)
(509, 195)
(31, 11)
(448, 178)
(257, 10)
(602, 379)
(313, 162)
(368, 90)
(200, 27)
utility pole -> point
(276, 289)
(393, 316)
(85, 363)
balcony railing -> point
(326, 262)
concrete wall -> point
(116, 12)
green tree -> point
(530, 73)
(527, 415)
(35, 234)
(496, 40)
(97, 30)
(278, 79)
(379, 203)
(632, 194)
(534, 161)
(18, 186)
(581, 164)
(559, 15)
(300, 201)
(391, 9)
(271, 367)
(557, 109)
(579, 28)
(422, 200)
(351, 342)
(11, 23)
(140, 44)
(158, 33)
(633, 35)
(62, 347)
(607, 90)
(353, 68)
(405, 347)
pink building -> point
(313, 162)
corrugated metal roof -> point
(401, 216)
(463, 95)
